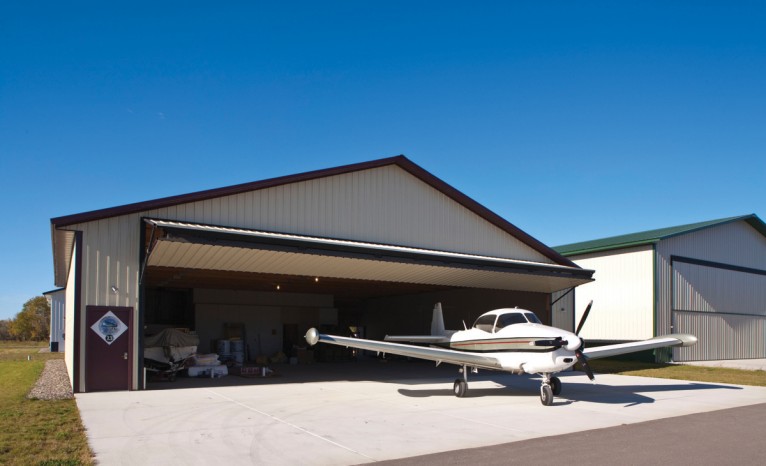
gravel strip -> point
(53, 383)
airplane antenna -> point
(464, 325)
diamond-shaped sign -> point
(109, 327)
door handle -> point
(125, 356)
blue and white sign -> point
(109, 327)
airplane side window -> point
(486, 323)
(505, 320)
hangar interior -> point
(223, 285)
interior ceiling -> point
(346, 291)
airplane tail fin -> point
(437, 321)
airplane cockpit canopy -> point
(495, 321)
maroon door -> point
(108, 348)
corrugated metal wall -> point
(724, 308)
(562, 309)
(622, 294)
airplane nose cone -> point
(574, 343)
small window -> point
(510, 319)
(486, 323)
(532, 318)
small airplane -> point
(511, 340)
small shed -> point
(707, 279)
(57, 301)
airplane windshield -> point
(532, 318)
(505, 320)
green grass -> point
(679, 372)
(35, 431)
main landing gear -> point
(460, 387)
(550, 387)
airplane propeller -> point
(578, 352)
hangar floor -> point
(362, 412)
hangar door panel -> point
(723, 305)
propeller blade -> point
(584, 363)
(584, 317)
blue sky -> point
(573, 120)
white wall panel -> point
(622, 295)
(69, 321)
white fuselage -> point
(514, 345)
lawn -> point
(35, 431)
(680, 372)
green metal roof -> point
(652, 236)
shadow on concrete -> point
(572, 392)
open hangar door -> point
(276, 286)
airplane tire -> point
(459, 388)
(546, 395)
(556, 386)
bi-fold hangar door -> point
(723, 305)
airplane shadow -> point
(572, 392)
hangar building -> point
(373, 244)
(707, 279)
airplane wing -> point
(676, 339)
(438, 355)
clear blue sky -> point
(573, 120)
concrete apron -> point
(341, 422)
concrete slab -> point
(403, 414)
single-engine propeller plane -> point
(510, 340)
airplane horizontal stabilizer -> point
(676, 339)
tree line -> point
(31, 324)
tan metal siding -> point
(622, 294)
(382, 205)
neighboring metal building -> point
(57, 302)
(708, 279)
(374, 245)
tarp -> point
(171, 337)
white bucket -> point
(237, 346)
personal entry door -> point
(108, 348)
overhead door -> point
(723, 305)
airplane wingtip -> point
(312, 336)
